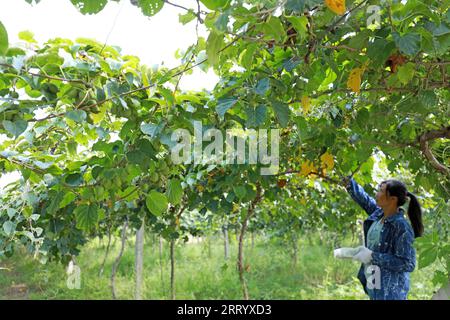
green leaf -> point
(282, 112)
(48, 59)
(427, 256)
(213, 46)
(11, 212)
(428, 98)
(406, 72)
(214, 4)
(440, 278)
(76, 115)
(262, 86)
(156, 202)
(9, 227)
(68, 198)
(379, 50)
(71, 148)
(137, 157)
(256, 116)
(408, 44)
(240, 191)
(27, 36)
(428, 249)
(299, 5)
(38, 231)
(146, 147)
(362, 118)
(55, 203)
(150, 7)
(74, 179)
(89, 6)
(174, 191)
(187, 17)
(3, 40)
(31, 1)
(16, 128)
(299, 24)
(437, 30)
(87, 216)
(151, 129)
(360, 40)
(223, 105)
(247, 56)
(222, 22)
(274, 28)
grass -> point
(202, 273)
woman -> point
(388, 256)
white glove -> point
(345, 253)
(364, 255)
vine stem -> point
(424, 139)
(434, 85)
(310, 173)
(49, 77)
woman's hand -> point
(364, 255)
(345, 181)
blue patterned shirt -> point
(394, 254)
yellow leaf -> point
(306, 104)
(354, 79)
(97, 117)
(337, 6)
(303, 201)
(327, 160)
(306, 168)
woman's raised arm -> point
(360, 196)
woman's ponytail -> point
(415, 215)
(397, 189)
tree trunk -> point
(253, 240)
(161, 264)
(240, 258)
(310, 239)
(209, 247)
(321, 238)
(295, 250)
(172, 269)
(226, 242)
(240, 263)
(117, 261)
(336, 241)
(102, 267)
(361, 231)
(139, 262)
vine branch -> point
(428, 136)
